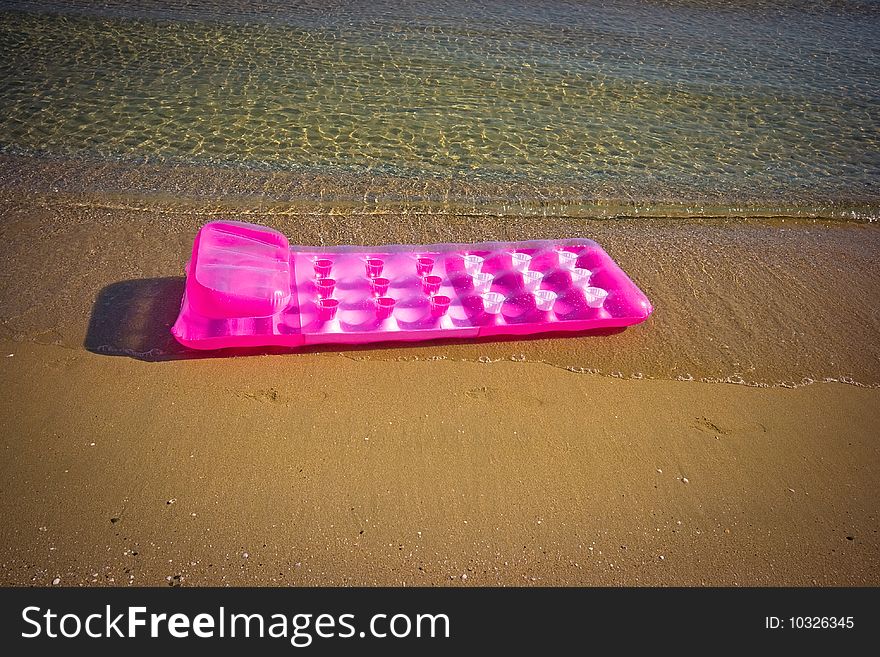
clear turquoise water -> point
(689, 102)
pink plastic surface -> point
(247, 287)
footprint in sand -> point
(488, 393)
(706, 425)
(267, 395)
(483, 392)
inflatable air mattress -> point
(246, 286)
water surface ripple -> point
(683, 101)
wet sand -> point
(756, 301)
(558, 461)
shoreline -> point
(134, 185)
(758, 302)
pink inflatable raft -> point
(246, 286)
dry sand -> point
(426, 466)
(319, 469)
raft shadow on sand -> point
(133, 318)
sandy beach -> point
(287, 470)
(729, 440)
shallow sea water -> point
(549, 104)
